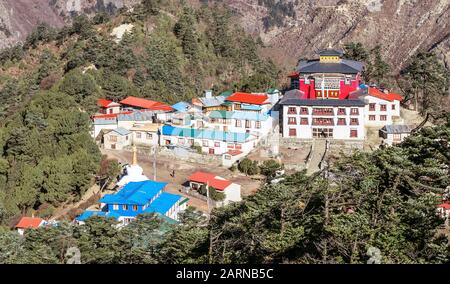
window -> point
(397, 137)
(354, 111)
(138, 135)
(126, 138)
(353, 133)
(238, 146)
(393, 107)
(341, 121)
(322, 121)
(292, 110)
(328, 83)
(125, 207)
(383, 107)
(248, 124)
(115, 206)
(205, 143)
(113, 138)
(323, 111)
(135, 207)
(383, 117)
(372, 107)
(238, 123)
(303, 121)
(181, 141)
(149, 136)
(372, 117)
(216, 144)
(295, 83)
(292, 120)
(292, 132)
(322, 132)
(304, 110)
(354, 121)
(347, 80)
(230, 146)
(191, 141)
(341, 111)
(258, 124)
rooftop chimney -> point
(208, 94)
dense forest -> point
(385, 200)
(49, 86)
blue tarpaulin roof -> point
(135, 193)
(205, 134)
(163, 203)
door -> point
(113, 146)
(211, 151)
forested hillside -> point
(50, 84)
(385, 200)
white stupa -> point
(134, 172)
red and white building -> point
(29, 223)
(329, 101)
(444, 210)
(381, 107)
(231, 190)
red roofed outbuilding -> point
(29, 223)
(231, 190)
(444, 209)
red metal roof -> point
(388, 97)
(29, 222)
(295, 74)
(248, 98)
(445, 206)
(211, 179)
(144, 103)
(106, 103)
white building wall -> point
(377, 113)
(232, 193)
(144, 139)
(121, 142)
(339, 131)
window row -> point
(373, 117)
(322, 121)
(125, 207)
(147, 135)
(383, 107)
(323, 133)
(322, 111)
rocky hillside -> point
(19, 17)
(290, 28)
(401, 27)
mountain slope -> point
(401, 27)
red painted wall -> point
(345, 90)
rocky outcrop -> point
(401, 27)
(19, 17)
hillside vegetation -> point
(50, 84)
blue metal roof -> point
(135, 193)
(205, 134)
(88, 214)
(122, 131)
(239, 115)
(250, 107)
(163, 203)
(181, 106)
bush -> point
(269, 168)
(248, 167)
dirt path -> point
(61, 212)
(317, 154)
